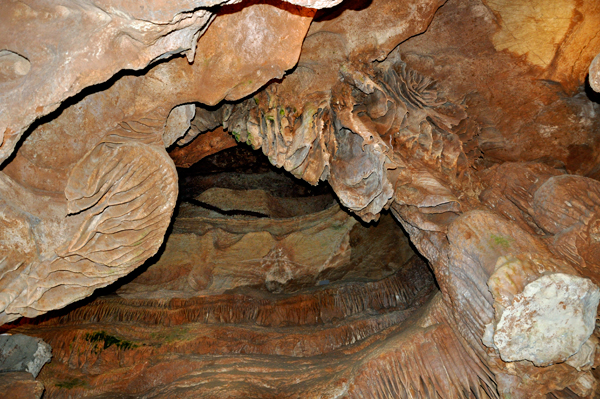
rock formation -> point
(473, 123)
(21, 353)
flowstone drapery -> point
(485, 151)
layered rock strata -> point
(343, 339)
(482, 142)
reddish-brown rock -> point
(203, 146)
(469, 119)
(20, 385)
(322, 342)
(105, 38)
(128, 123)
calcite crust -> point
(549, 321)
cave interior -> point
(300, 199)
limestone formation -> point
(549, 321)
(155, 144)
(131, 133)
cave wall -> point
(472, 121)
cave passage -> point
(300, 199)
(274, 264)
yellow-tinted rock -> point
(558, 36)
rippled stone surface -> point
(471, 122)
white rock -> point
(549, 321)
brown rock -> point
(131, 125)
(469, 120)
(594, 74)
(205, 145)
(560, 37)
(341, 349)
(250, 238)
(528, 119)
(105, 38)
(20, 385)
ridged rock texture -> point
(84, 196)
(469, 128)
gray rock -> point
(22, 353)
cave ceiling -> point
(303, 199)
